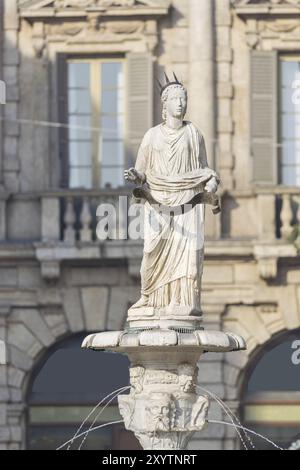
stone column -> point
(201, 73)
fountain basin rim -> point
(198, 340)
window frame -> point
(96, 97)
(283, 56)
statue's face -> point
(176, 103)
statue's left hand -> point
(212, 185)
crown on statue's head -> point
(168, 83)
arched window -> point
(65, 387)
(271, 396)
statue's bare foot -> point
(143, 302)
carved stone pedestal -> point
(163, 408)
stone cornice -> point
(80, 10)
(253, 8)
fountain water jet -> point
(211, 421)
(231, 416)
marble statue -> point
(172, 166)
(164, 338)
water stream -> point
(119, 390)
(211, 421)
(231, 415)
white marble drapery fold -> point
(176, 169)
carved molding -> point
(47, 10)
(275, 20)
(130, 24)
(248, 8)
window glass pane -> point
(80, 177)
(51, 437)
(112, 102)
(112, 75)
(108, 78)
(112, 152)
(80, 127)
(291, 152)
(288, 103)
(290, 71)
(290, 175)
(290, 123)
(79, 102)
(80, 153)
(111, 177)
(112, 127)
(291, 126)
(79, 75)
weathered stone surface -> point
(95, 303)
(24, 220)
(29, 276)
(20, 359)
(73, 309)
(2, 414)
(16, 433)
(119, 300)
(4, 434)
(4, 394)
(20, 336)
(214, 274)
(107, 276)
(210, 372)
(107, 339)
(57, 322)
(158, 338)
(203, 444)
(15, 377)
(8, 276)
(34, 321)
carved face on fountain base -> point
(163, 409)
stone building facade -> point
(240, 61)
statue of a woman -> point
(172, 164)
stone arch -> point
(31, 332)
(258, 325)
(262, 387)
(86, 387)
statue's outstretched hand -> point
(212, 185)
(134, 176)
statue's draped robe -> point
(176, 169)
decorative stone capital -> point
(162, 421)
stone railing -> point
(279, 212)
(288, 210)
(70, 216)
(255, 215)
(261, 214)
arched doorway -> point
(65, 387)
(271, 393)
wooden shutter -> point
(139, 101)
(62, 91)
(264, 116)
